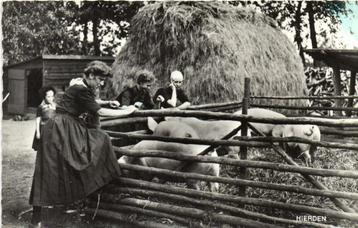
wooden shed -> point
(338, 59)
(23, 80)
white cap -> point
(176, 76)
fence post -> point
(337, 89)
(244, 129)
(351, 92)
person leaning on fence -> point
(138, 95)
(172, 96)
(106, 70)
(74, 160)
(45, 111)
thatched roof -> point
(216, 46)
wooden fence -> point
(182, 203)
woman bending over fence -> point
(75, 159)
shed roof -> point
(344, 59)
(63, 57)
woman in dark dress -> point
(75, 159)
(45, 111)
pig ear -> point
(152, 124)
(316, 133)
(167, 118)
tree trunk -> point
(96, 42)
(311, 21)
(298, 28)
(85, 39)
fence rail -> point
(237, 199)
(238, 117)
(240, 182)
(304, 108)
(303, 97)
(258, 141)
(240, 163)
(209, 204)
(188, 212)
(213, 112)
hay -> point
(216, 46)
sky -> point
(349, 26)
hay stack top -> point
(216, 46)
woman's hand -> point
(114, 104)
(38, 135)
(131, 109)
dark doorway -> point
(34, 84)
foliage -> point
(298, 16)
(54, 27)
(103, 15)
(35, 28)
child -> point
(45, 111)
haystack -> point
(216, 46)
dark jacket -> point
(131, 95)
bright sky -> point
(349, 25)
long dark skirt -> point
(37, 142)
(72, 162)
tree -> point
(102, 15)
(34, 28)
(329, 12)
(297, 16)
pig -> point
(177, 130)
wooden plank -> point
(17, 98)
(78, 57)
(352, 85)
(337, 89)
(244, 132)
(16, 74)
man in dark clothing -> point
(139, 95)
(173, 96)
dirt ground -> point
(18, 160)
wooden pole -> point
(337, 88)
(244, 129)
(209, 204)
(338, 132)
(352, 85)
(290, 107)
(237, 162)
(239, 117)
(122, 218)
(302, 97)
(190, 212)
(239, 182)
(237, 199)
(261, 141)
(126, 209)
(311, 179)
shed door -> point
(34, 84)
(17, 89)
